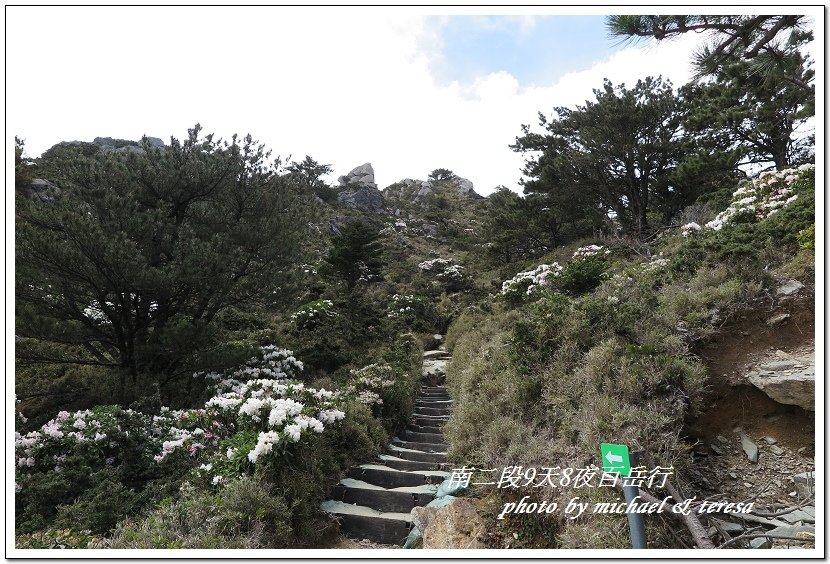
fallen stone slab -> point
(750, 448)
(787, 382)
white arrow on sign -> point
(612, 458)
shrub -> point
(59, 539)
(247, 514)
(313, 314)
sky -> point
(406, 89)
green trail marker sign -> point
(615, 458)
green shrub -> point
(807, 238)
(248, 513)
(581, 275)
(59, 539)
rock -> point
(155, 142)
(750, 448)
(40, 189)
(716, 449)
(434, 367)
(789, 287)
(363, 175)
(364, 198)
(760, 542)
(769, 440)
(794, 387)
(430, 229)
(436, 354)
(424, 191)
(464, 186)
(805, 532)
(776, 450)
(728, 526)
(776, 319)
(805, 483)
(457, 525)
(800, 515)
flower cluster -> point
(269, 413)
(450, 274)
(590, 251)
(242, 422)
(309, 315)
(690, 228)
(530, 281)
(367, 383)
(405, 305)
(435, 265)
(764, 196)
(92, 436)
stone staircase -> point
(375, 500)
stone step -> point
(433, 391)
(437, 354)
(431, 399)
(402, 464)
(434, 403)
(362, 522)
(429, 421)
(400, 500)
(432, 438)
(423, 447)
(432, 410)
(417, 455)
(424, 428)
(386, 477)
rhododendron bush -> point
(582, 273)
(257, 413)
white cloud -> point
(345, 86)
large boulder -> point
(363, 175)
(364, 198)
(464, 186)
(788, 378)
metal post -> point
(635, 520)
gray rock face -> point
(365, 198)
(791, 381)
(363, 175)
(464, 186)
(40, 189)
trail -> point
(373, 503)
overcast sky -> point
(408, 90)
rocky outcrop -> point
(359, 191)
(788, 378)
(110, 145)
(107, 145)
(464, 187)
(365, 198)
(40, 189)
(363, 175)
(415, 190)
